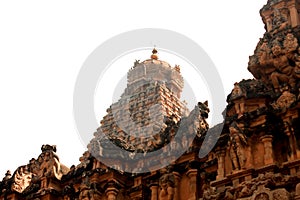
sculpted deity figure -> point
(290, 43)
(167, 183)
(285, 100)
(237, 145)
(257, 64)
(284, 71)
(263, 52)
(238, 98)
(47, 164)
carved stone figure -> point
(290, 43)
(7, 176)
(89, 192)
(281, 194)
(208, 192)
(167, 183)
(247, 189)
(257, 62)
(237, 145)
(283, 71)
(46, 166)
(238, 97)
(84, 160)
(49, 165)
(285, 100)
(263, 52)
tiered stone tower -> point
(151, 98)
(145, 148)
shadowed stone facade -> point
(147, 146)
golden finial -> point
(154, 54)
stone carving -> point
(279, 21)
(276, 60)
(28, 177)
(281, 194)
(84, 160)
(258, 62)
(136, 62)
(22, 179)
(167, 184)
(7, 176)
(238, 98)
(285, 100)
(38, 174)
(257, 188)
(49, 165)
(262, 196)
(283, 69)
(177, 68)
(208, 192)
(264, 52)
(89, 192)
(290, 43)
(237, 144)
(68, 192)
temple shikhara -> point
(147, 145)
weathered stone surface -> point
(257, 156)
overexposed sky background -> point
(43, 45)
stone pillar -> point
(154, 192)
(221, 164)
(177, 185)
(192, 174)
(293, 14)
(292, 143)
(111, 193)
(268, 147)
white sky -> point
(44, 44)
